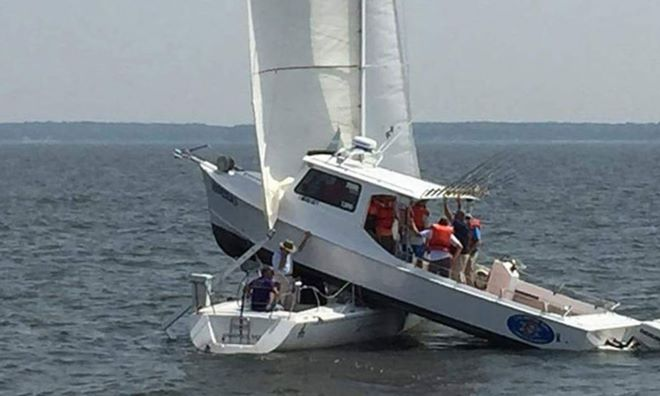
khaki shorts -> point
(463, 260)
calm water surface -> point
(96, 242)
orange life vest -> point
(420, 213)
(384, 218)
(440, 237)
(475, 223)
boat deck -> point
(301, 313)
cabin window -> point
(329, 189)
(388, 223)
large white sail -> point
(305, 83)
(387, 105)
(306, 70)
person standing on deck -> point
(440, 241)
(462, 233)
(473, 246)
(382, 211)
(282, 259)
(417, 222)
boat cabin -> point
(349, 188)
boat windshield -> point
(329, 189)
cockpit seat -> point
(503, 279)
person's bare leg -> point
(467, 272)
(458, 267)
(455, 269)
(471, 266)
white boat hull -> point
(217, 328)
(237, 218)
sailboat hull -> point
(223, 329)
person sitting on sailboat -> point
(440, 242)
(262, 291)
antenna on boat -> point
(390, 137)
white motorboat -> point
(332, 73)
(507, 309)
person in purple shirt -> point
(263, 291)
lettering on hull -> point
(225, 194)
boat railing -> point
(318, 294)
(293, 292)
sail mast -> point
(363, 64)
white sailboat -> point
(232, 327)
(333, 71)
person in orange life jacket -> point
(417, 222)
(473, 245)
(462, 233)
(440, 240)
(382, 211)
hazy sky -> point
(186, 61)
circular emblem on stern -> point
(530, 329)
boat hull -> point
(238, 221)
(223, 329)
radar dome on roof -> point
(364, 143)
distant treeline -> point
(62, 132)
(122, 132)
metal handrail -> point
(316, 293)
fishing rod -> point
(479, 168)
(485, 173)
